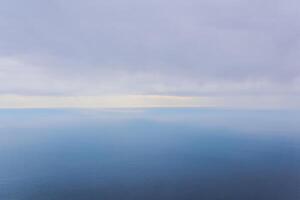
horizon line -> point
(146, 101)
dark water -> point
(157, 154)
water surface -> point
(157, 154)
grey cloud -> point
(157, 46)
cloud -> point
(22, 77)
(158, 47)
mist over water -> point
(146, 154)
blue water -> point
(157, 154)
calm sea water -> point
(149, 154)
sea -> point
(149, 154)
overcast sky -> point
(150, 47)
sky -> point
(127, 53)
